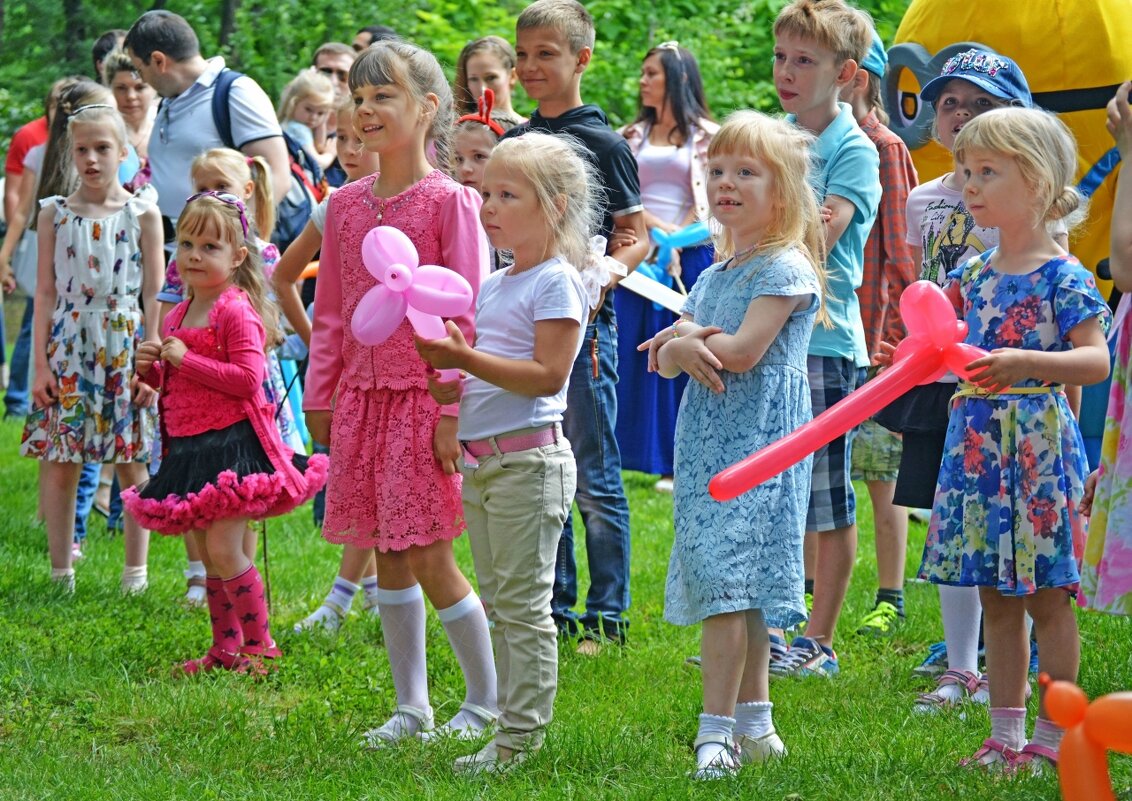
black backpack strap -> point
(221, 109)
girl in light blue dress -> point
(742, 339)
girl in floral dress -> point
(1005, 516)
(99, 267)
(1106, 569)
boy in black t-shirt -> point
(554, 44)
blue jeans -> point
(84, 499)
(19, 375)
(591, 415)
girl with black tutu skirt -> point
(225, 462)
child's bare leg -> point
(58, 483)
(1059, 651)
(224, 543)
(251, 540)
(1008, 647)
(754, 723)
(134, 574)
(355, 562)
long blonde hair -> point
(209, 215)
(239, 169)
(786, 151)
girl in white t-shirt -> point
(519, 473)
(358, 570)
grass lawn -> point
(88, 709)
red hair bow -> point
(483, 116)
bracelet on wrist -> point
(676, 330)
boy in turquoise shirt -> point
(818, 47)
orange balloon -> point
(1082, 768)
(310, 271)
(1065, 702)
(1109, 722)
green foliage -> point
(275, 38)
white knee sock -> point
(466, 626)
(403, 622)
(753, 719)
(962, 611)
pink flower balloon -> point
(423, 293)
(933, 346)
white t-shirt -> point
(506, 312)
(184, 129)
(318, 214)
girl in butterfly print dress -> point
(99, 254)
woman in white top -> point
(670, 140)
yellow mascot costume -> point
(1074, 55)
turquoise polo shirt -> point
(846, 164)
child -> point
(393, 482)
(225, 170)
(554, 44)
(1106, 569)
(304, 109)
(743, 335)
(943, 235)
(540, 203)
(817, 47)
(888, 269)
(99, 254)
(359, 569)
(1004, 517)
(225, 463)
(475, 137)
(485, 63)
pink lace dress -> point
(386, 488)
(225, 457)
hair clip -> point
(483, 116)
(229, 200)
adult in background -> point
(334, 60)
(103, 46)
(134, 97)
(373, 33)
(166, 52)
(670, 141)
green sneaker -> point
(882, 621)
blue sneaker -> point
(806, 658)
(935, 663)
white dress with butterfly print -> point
(95, 330)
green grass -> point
(88, 709)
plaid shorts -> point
(832, 502)
(876, 453)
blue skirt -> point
(646, 403)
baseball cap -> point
(994, 74)
(876, 60)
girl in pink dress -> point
(226, 463)
(394, 483)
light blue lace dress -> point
(745, 553)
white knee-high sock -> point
(466, 626)
(962, 611)
(403, 622)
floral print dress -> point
(1014, 465)
(95, 331)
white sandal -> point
(725, 765)
(756, 750)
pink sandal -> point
(935, 700)
(215, 659)
(992, 754)
(1034, 759)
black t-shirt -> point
(611, 156)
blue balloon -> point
(692, 234)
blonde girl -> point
(743, 337)
(225, 463)
(359, 568)
(486, 63)
(304, 113)
(99, 266)
(1005, 515)
(540, 204)
(394, 484)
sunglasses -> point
(229, 200)
(672, 45)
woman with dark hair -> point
(670, 140)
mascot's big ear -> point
(910, 67)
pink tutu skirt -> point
(386, 489)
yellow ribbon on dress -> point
(967, 389)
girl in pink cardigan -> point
(394, 484)
(225, 462)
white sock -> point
(465, 623)
(324, 617)
(1047, 733)
(195, 570)
(403, 622)
(962, 611)
(369, 590)
(1008, 726)
(713, 753)
(341, 595)
(134, 578)
(65, 577)
(753, 719)
(196, 594)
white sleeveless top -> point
(666, 180)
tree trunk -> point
(74, 18)
(227, 21)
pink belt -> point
(511, 444)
